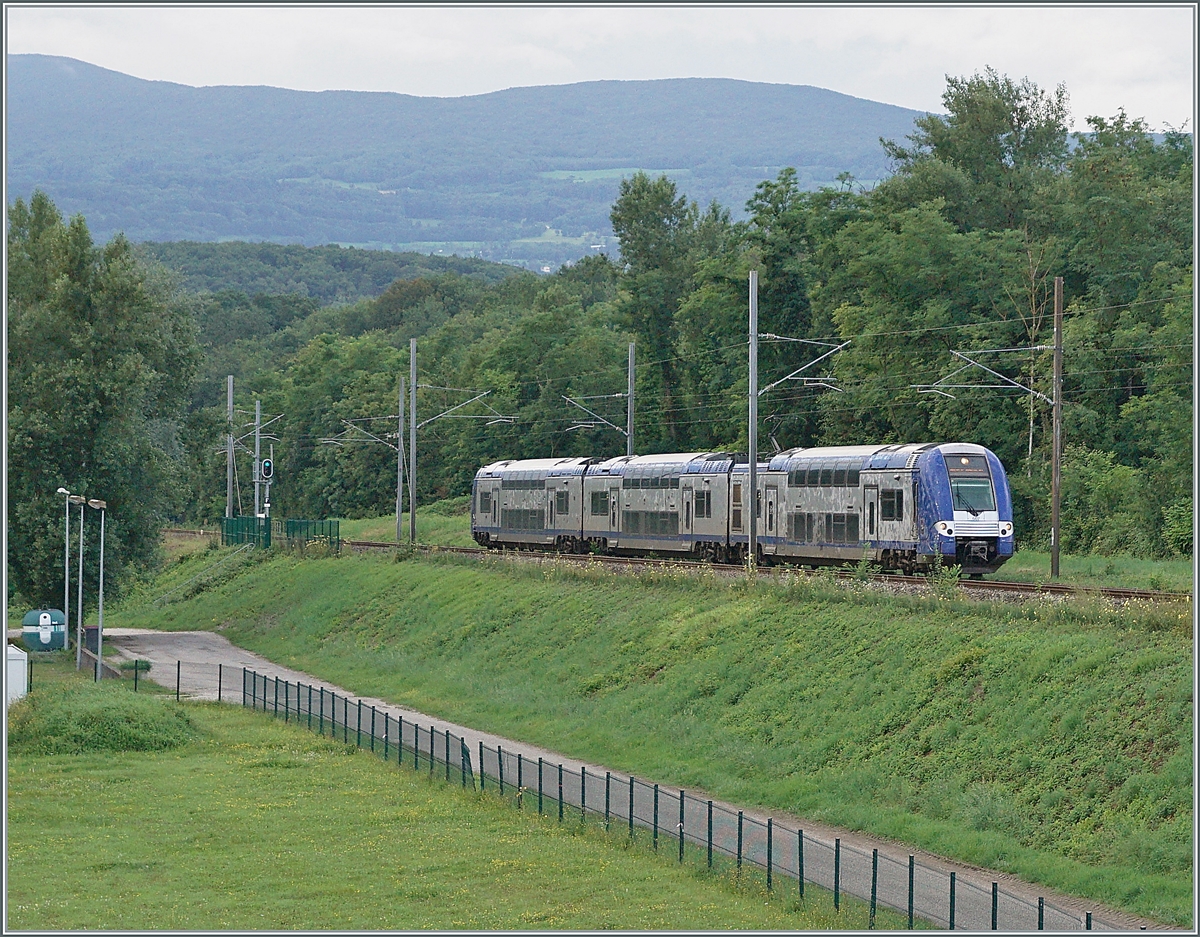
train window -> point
(852, 477)
(891, 505)
(826, 477)
(841, 528)
(814, 477)
(485, 501)
(735, 513)
(599, 502)
(562, 502)
(972, 494)
(803, 527)
(852, 528)
(703, 504)
(839, 476)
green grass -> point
(259, 825)
(1116, 572)
(1052, 740)
(445, 523)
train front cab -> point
(964, 508)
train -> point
(903, 507)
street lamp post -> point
(66, 567)
(82, 502)
(100, 506)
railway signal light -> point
(267, 469)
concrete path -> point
(198, 654)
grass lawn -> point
(1049, 739)
(1116, 572)
(260, 825)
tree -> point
(101, 359)
(999, 143)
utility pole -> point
(1056, 458)
(629, 404)
(229, 446)
(412, 442)
(257, 434)
(400, 459)
(753, 554)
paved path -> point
(198, 654)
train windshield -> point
(973, 495)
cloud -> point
(1139, 58)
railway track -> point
(981, 586)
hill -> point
(521, 174)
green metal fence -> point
(256, 530)
(301, 532)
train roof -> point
(891, 455)
(681, 463)
(549, 467)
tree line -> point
(955, 252)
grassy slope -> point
(177, 840)
(1052, 743)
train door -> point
(772, 500)
(550, 499)
(495, 504)
(871, 509)
(687, 508)
(613, 496)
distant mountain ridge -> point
(526, 173)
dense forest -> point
(956, 251)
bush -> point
(1177, 526)
(72, 718)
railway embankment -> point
(1051, 740)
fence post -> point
(953, 882)
(582, 793)
(995, 902)
(607, 797)
(631, 807)
(837, 875)
(358, 729)
(739, 843)
(912, 865)
(276, 696)
(500, 767)
(481, 774)
(874, 887)
(286, 699)
(770, 827)
(560, 799)
(539, 787)
(462, 757)
(417, 748)
(800, 861)
(178, 677)
(1041, 913)
(431, 755)
(681, 808)
(447, 755)
(321, 715)
(1088, 926)
(710, 834)
(656, 817)
(373, 732)
(520, 781)
(243, 687)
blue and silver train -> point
(900, 506)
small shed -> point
(17, 683)
(44, 629)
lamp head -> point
(97, 504)
(62, 491)
(77, 499)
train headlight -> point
(1006, 530)
(944, 528)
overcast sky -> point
(1141, 58)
